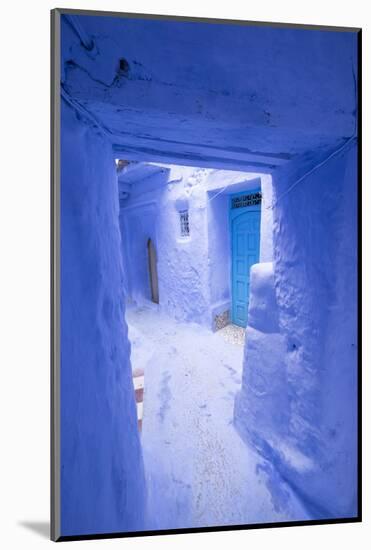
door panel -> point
(245, 229)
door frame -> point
(233, 214)
(137, 208)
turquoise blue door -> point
(245, 231)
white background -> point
(24, 268)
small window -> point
(184, 223)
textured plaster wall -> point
(242, 97)
(219, 251)
(298, 399)
(152, 211)
(102, 479)
(266, 226)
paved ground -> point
(233, 334)
(199, 471)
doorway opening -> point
(190, 237)
(152, 266)
(245, 217)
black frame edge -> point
(191, 19)
(55, 528)
(214, 529)
(359, 268)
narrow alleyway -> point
(199, 471)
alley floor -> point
(199, 471)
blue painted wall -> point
(242, 97)
(102, 478)
(298, 403)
